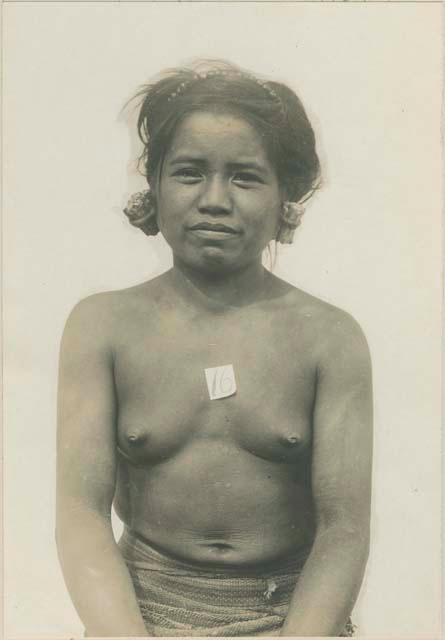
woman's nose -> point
(215, 197)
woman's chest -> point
(248, 388)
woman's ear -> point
(141, 211)
(291, 215)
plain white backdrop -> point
(370, 76)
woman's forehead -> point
(209, 133)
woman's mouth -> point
(213, 230)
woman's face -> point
(219, 198)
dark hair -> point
(270, 107)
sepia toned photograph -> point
(222, 312)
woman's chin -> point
(216, 258)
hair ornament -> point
(291, 215)
(141, 212)
(178, 91)
(273, 94)
(223, 73)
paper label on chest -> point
(221, 381)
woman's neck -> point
(220, 292)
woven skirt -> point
(181, 599)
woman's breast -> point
(265, 419)
(275, 438)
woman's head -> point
(224, 121)
(271, 108)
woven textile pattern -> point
(180, 599)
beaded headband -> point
(208, 74)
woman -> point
(225, 413)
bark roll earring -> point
(291, 215)
(141, 212)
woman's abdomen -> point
(218, 504)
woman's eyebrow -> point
(187, 159)
(248, 164)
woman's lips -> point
(215, 231)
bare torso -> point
(216, 481)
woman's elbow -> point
(75, 527)
(349, 535)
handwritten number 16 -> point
(222, 382)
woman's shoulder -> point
(331, 326)
(100, 315)
(116, 300)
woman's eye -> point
(244, 177)
(188, 174)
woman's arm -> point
(341, 485)
(94, 570)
